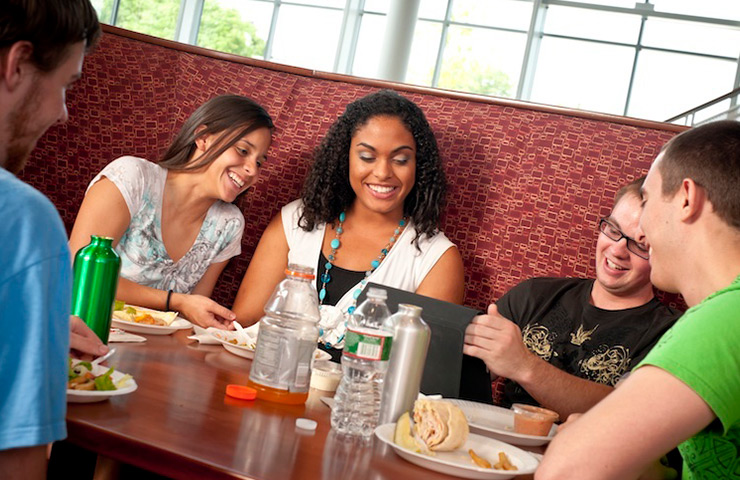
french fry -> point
(481, 462)
(503, 463)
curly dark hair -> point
(327, 191)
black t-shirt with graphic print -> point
(561, 326)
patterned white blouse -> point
(144, 259)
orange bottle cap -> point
(241, 391)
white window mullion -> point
(351, 23)
(188, 21)
(531, 51)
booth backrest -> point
(527, 183)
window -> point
(367, 51)
(424, 51)
(728, 9)
(509, 14)
(692, 37)
(482, 61)
(153, 17)
(307, 37)
(235, 26)
(667, 84)
(592, 24)
(585, 75)
(645, 58)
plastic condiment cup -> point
(531, 420)
(325, 375)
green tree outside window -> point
(221, 28)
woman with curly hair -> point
(369, 212)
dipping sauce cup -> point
(326, 375)
(531, 420)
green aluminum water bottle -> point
(96, 269)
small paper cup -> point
(531, 420)
(325, 375)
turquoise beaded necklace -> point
(336, 243)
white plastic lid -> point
(306, 424)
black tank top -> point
(341, 281)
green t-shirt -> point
(703, 350)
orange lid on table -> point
(241, 391)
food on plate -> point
(403, 435)
(481, 462)
(441, 425)
(438, 426)
(531, 420)
(249, 345)
(147, 319)
(81, 377)
(504, 463)
(143, 316)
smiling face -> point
(382, 165)
(656, 222)
(43, 105)
(619, 272)
(236, 169)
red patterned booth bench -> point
(528, 183)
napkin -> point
(118, 335)
(203, 336)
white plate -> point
(89, 396)
(224, 336)
(177, 323)
(498, 422)
(459, 463)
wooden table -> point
(179, 423)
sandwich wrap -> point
(438, 426)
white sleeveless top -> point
(405, 266)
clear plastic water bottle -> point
(281, 368)
(367, 348)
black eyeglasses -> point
(614, 233)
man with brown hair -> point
(42, 47)
(564, 343)
(686, 392)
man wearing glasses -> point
(564, 343)
(686, 392)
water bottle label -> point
(368, 344)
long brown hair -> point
(229, 116)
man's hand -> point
(498, 342)
(203, 311)
(83, 343)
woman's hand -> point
(202, 311)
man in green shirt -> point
(686, 391)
